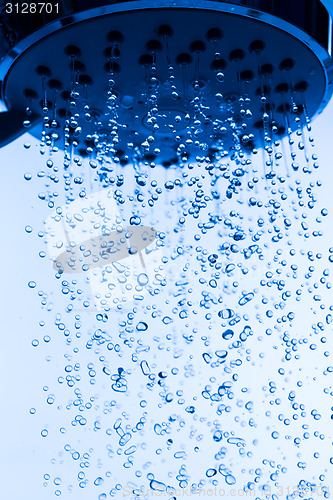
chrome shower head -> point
(136, 81)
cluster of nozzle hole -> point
(113, 52)
(236, 58)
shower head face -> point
(166, 84)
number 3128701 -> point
(32, 8)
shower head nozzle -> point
(166, 82)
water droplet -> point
(142, 326)
(98, 481)
(135, 220)
(142, 279)
(226, 313)
(227, 334)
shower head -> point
(164, 82)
